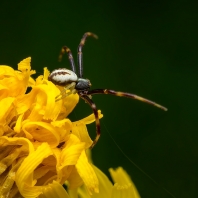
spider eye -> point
(83, 84)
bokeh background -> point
(144, 47)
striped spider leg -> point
(69, 80)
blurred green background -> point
(144, 47)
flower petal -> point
(54, 190)
(63, 128)
(42, 132)
(24, 175)
(72, 151)
(74, 180)
(105, 186)
(70, 102)
(13, 150)
(123, 187)
(46, 94)
(80, 130)
(16, 141)
(7, 106)
(15, 81)
(87, 174)
(4, 91)
(91, 118)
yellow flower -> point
(39, 146)
(123, 187)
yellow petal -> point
(15, 86)
(4, 141)
(42, 132)
(24, 65)
(73, 149)
(7, 106)
(105, 186)
(120, 176)
(4, 91)
(87, 174)
(123, 186)
(18, 124)
(10, 158)
(74, 180)
(80, 130)
(6, 71)
(54, 190)
(24, 175)
(69, 102)
(7, 185)
(15, 81)
(46, 94)
(83, 193)
(13, 151)
(40, 103)
(46, 73)
(91, 118)
(63, 128)
(74, 193)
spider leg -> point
(63, 93)
(95, 111)
(65, 49)
(127, 95)
(80, 55)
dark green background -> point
(144, 47)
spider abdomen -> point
(62, 76)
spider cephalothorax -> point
(77, 84)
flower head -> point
(40, 147)
(123, 186)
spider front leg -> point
(66, 49)
(63, 94)
(95, 111)
(80, 54)
(126, 95)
